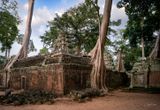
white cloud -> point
(39, 21)
(118, 13)
(81, 1)
(15, 48)
(25, 6)
(60, 12)
(42, 16)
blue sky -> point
(44, 11)
(51, 3)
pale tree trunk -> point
(142, 43)
(120, 62)
(155, 54)
(78, 49)
(24, 49)
(8, 53)
(98, 70)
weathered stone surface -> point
(56, 73)
(146, 74)
(76, 77)
(116, 79)
(60, 73)
(154, 75)
(30, 61)
(108, 61)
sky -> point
(45, 10)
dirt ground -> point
(114, 101)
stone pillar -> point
(131, 82)
(145, 79)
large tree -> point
(24, 49)
(80, 24)
(121, 43)
(155, 54)
(98, 70)
(8, 25)
(144, 20)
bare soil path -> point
(115, 101)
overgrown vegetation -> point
(28, 97)
(86, 94)
(144, 20)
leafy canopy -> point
(144, 20)
(80, 24)
(8, 23)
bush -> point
(86, 94)
(28, 97)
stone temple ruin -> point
(59, 71)
(146, 74)
(61, 44)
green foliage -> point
(49, 37)
(31, 47)
(2, 59)
(80, 24)
(8, 23)
(8, 30)
(120, 42)
(131, 57)
(44, 51)
(131, 54)
(28, 97)
(144, 20)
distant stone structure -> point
(108, 61)
(61, 44)
(145, 74)
(139, 74)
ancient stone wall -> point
(146, 75)
(30, 61)
(1, 79)
(76, 77)
(154, 74)
(116, 79)
(60, 74)
(47, 78)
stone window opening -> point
(23, 82)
